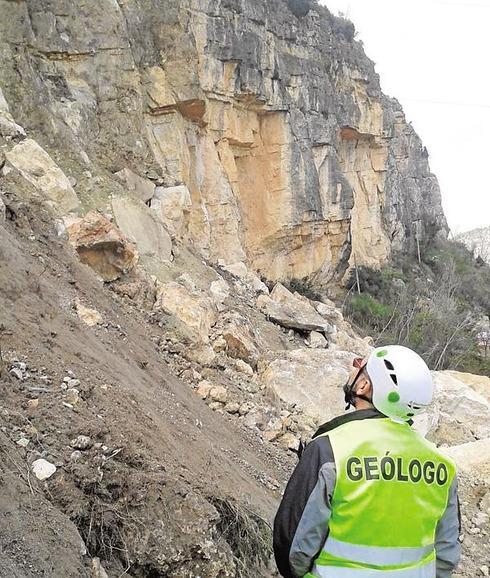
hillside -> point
(170, 173)
(477, 241)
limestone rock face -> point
(267, 134)
(102, 246)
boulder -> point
(460, 406)
(102, 246)
(172, 206)
(194, 310)
(479, 383)
(472, 457)
(291, 311)
(239, 270)
(240, 342)
(143, 188)
(317, 340)
(311, 379)
(139, 225)
(329, 310)
(39, 169)
(343, 340)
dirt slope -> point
(145, 492)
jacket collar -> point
(360, 414)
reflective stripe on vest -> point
(391, 490)
(425, 571)
(380, 556)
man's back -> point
(369, 497)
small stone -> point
(244, 367)
(75, 455)
(485, 570)
(219, 344)
(214, 405)
(245, 408)
(218, 393)
(97, 570)
(33, 403)
(203, 389)
(23, 442)
(43, 469)
(232, 407)
(81, 443)
(17, 373)
(191, 375)
(72, 396)
(289, 441)
(271, 435)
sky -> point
(432, 55)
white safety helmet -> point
(401, 381)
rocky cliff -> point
(253, 134)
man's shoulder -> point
(346, 418)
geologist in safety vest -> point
(371, 497)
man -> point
(370, 497)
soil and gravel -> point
(151, 489)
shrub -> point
(300, 8)
(435, 307)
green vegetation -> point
(439, 307)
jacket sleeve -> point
(301, 523)
(448, 548)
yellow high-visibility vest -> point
(391, 491)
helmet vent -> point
(389, 365)
(394, 379)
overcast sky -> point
(432, 55)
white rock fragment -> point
(43, 469)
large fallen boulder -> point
(102, 246)
(292, 311)
(39, 169)
(139, 225)
(479, 383)
(462, 414)
(311, 379)
(195, 311)
(472, 457)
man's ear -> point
(364, 386)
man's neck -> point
(363, 404)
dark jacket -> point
(301, 523)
